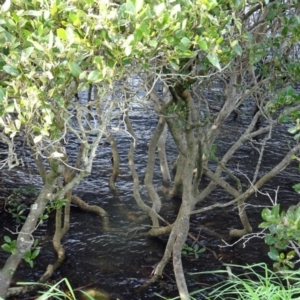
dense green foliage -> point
(256, 282)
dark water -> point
(120, 261)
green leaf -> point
(265, 214)
(273, 254)
(37, 138)
(185, 41)
(11, 70)
(284, 119)
(27, 52)
(291, 254)
(2, 94)
(270, 239)
(293, 129)
(30, 262)
(296, 187)
(138, 5)
(75, 69)
(214, 60)
(159, 9)
(263, 225)
(7, 239)
(153, 43)
(237, 49)
(6, 248)
(128, 50)
(61, 33)
(35, 253)
(202, 44)
(10, 108)
(51, 39)
(275, 210)
(34, 13)
(94, 76)
(6, 6)
(174, 65)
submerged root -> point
(94, 209)
(90, 208)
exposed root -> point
(94, 209)
(238, 232)
(90, 208)
(148, 282)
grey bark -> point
(161, 148)
(25, 239)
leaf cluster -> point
(14, 203)
(284, 228)
(194, 250)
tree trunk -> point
(136, 185)
(116, 165)
(177, 188)
(161, 148)
(156, 203)
(25, 239)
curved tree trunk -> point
(136, 185)
(25, 239)
(156, 203)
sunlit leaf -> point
(174, 65)
(34, 13)
(159, 9)
(61, 33)
(51, 39)
(10, 108)
(27, 52)
(6, 6)
(237, 49)
(94, 76)
(18, 124)
(214, 60)
(202, 44)
(128, 50)
(37, 138)
(175, 9)
(153, 43)
(75, 69)
(138, 5)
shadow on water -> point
(121, 260)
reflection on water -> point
(120, 261)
